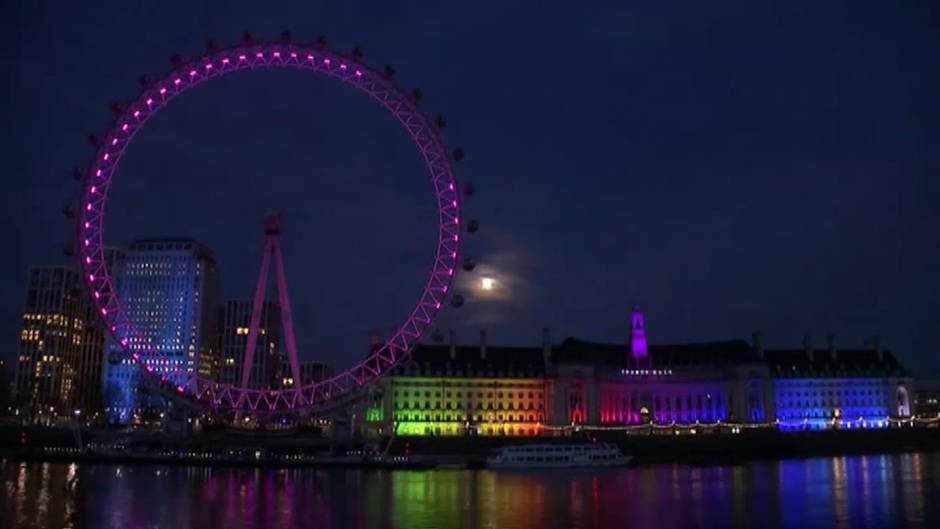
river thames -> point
(900, 490)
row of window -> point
(701, 403)
(421, 429)
(418, 405)
(823, 393)
(417, 417)
(828, 414)
(835, 403)
(479, 394)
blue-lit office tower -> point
(169, 290)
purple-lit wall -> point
(637, 334)
(641, 398)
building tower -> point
(169, 290)
(314, 371)
(637, 335)
(87, 399)
(272, 251)
(235, 318)
(54, 319)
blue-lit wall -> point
(824, 403)
(162, 290)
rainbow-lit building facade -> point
(450, 389)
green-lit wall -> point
(464, 406)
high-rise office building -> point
(169, 290)
(234, 320)
(310, 372)
(58, 369)
(55, 317)
(87, 395)
(313, 371)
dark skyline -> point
(727, 167)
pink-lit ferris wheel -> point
(350, 70)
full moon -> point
(487, 283)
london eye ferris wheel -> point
(350, 70)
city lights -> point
(132, 356)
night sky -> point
(728, 166)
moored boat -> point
(557, 456)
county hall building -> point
(450, 389)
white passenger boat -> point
(557, 456)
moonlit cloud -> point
(510, 268)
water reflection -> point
(868, 491)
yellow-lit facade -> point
(474, 391)
(48, 383)
(467, 406)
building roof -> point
(795, 363)
(172, 245)
(930, 385)
(705, 354)
(435, 360)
